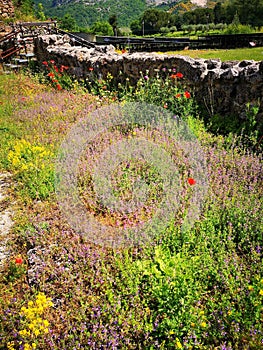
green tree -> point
(136, 27)
(154, 20)
(199, 16)
(25, 6)
(177, 21)
(113, 21)
(40, 12)
(68, 23)
(250, 12)
(219, 13)
(164, 30)
(102, 28)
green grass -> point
(201, 288)
(255, 54)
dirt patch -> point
(5, 215)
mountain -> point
(86, 12)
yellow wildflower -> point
(31, 326)
(46, 323)
(36, 332)
(261, 292)
(203, 324)
(178, 344)
(27, 346)
(10, 345)
(24, 333)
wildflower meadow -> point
(197, 283)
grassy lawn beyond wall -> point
(255, 54)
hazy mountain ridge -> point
(87, 12)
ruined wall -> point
(223, 88)
(6, 9)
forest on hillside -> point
(110, 17)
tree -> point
(173, 29)
(177, 21)
(25, 6)
(154, 19)
(199, 16)
(68, 23)
(164, 30)
(219, 13)
(136, 27)
(102, 28)
(114, 23)
(250, 12)
(40, 12)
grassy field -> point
(255, 53)
(196, 284)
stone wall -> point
(6, 9)
(224, 88)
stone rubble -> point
(6, 9)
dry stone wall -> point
(6, 9)
(224, 88)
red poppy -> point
(165, 105)
(179, 75)
(52, 61)
(173, 76)
(62, 68)
(90, 69)
(59, 87)
(191, 181)
(123, 51)
(51, 75)
(45, 63)
(56, 68)
(187, 94)
(19, 261)
(178, 95)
